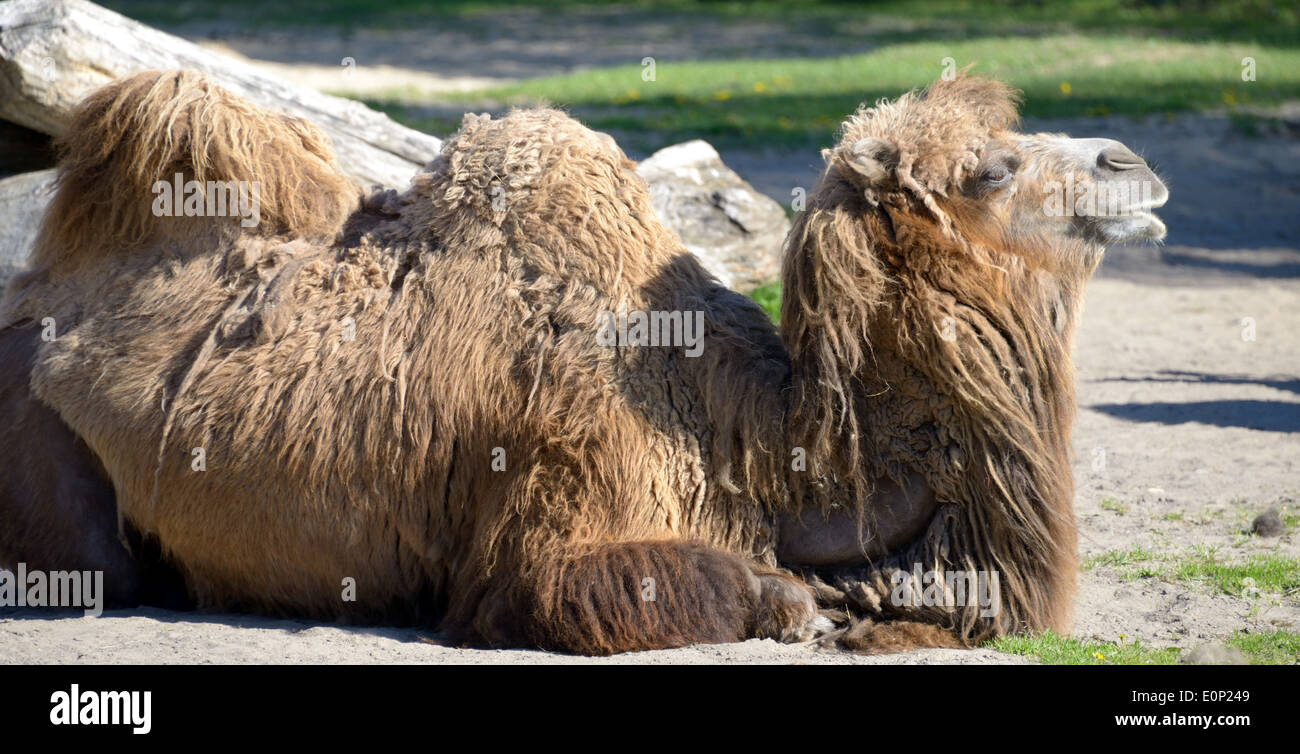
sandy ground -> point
(160, 637)
(1186, 428)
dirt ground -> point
(1188, 424)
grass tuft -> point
(1051, 648)
(769, 297)
(1119, 559)
(1274, 574)
(1268, 648)
(1254, 577)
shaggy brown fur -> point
(147, 128)
(875, 270)
(331, 457)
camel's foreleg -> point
(652, 595)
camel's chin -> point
(1153, 227)
(1138, 226)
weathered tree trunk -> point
(55, 52)
(22, 203)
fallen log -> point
(55, 52)
(22, 203)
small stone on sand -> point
(1268, 524)
(1215, 654)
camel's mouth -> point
(1123, 211)
(1137, 224)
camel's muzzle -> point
(1116, 206)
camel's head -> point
(950, 155)
(931, 291)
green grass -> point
(1204, 566)
(1271, 648)
(1074, 58)
(1052, 649)
(800, 101)
(1113, 505)
(769, 297)
(441, 125)
(1119, 559)
(1267, 573)
(1268, 648)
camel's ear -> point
(874, 160)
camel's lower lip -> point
(1153, 227)
(1134, 225)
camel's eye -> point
(994, 175)
(997, 175)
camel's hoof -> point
(787, 611)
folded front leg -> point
(654, 595)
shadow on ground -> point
(1267, 416)
(1175, 375)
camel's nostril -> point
(1119, 158)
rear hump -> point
(147, 154)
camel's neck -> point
(944, 363)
